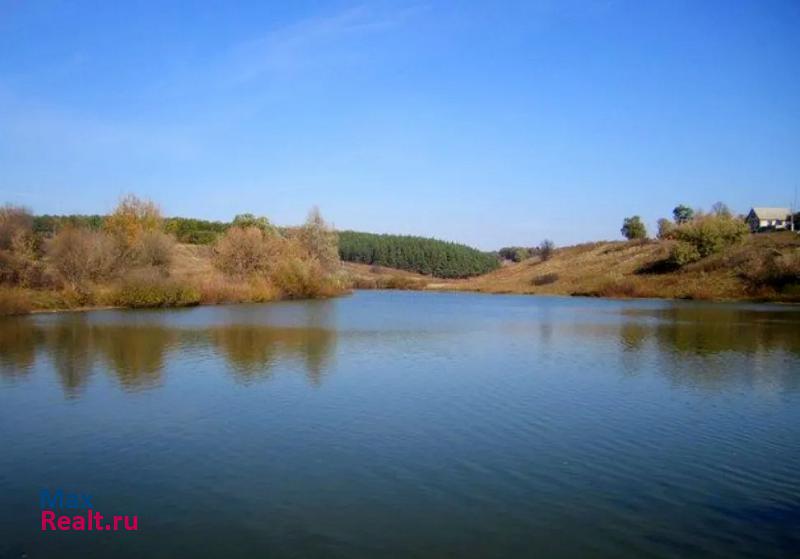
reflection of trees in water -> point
(716, 346)
(253, 350)
(702, 345)
(706, 330)
(69, 346)
(19, 339)
(136, 354)
(133, 354)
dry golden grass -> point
(638, 269)
(14, 300)
(760, 268)
(364, 276)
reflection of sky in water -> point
(410, 424)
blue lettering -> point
(59, 500)
(51, 502)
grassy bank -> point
(131, 259)
(190, 279)
(747, 271)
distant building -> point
(769, 219)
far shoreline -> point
(437, 290)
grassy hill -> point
(763, 267)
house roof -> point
(771, 213)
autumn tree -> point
(320, 240)
(131, 218)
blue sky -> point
(490, 123)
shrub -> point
(80, 255)
(297, 278)
(710, 234)
(780, 271)
(21, 265)
(14, 221)
(545, 279)
(242, 252)
(19, 248)
(666, 229)
(155, 248)
(683, 253)
(145, 292)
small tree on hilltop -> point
(546, 249)
(682, 214)
(633, 228)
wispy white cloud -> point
(310, 44)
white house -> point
(769, 219)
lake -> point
(407, 424)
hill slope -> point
(765, 266)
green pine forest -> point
(416, 254)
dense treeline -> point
(185, 229)
(50, 224)
(417, 254)
(195, 231)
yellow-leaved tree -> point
(132, 218)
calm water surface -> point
(408, 425)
